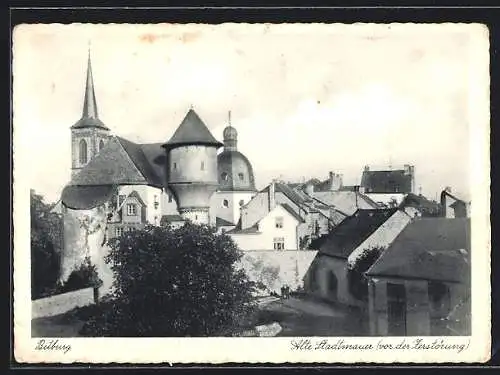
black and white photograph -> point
(318, 189)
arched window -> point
(241, 176)
(225, 203)
(83, 152)
(101, 145)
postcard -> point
(251, 193)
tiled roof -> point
(220, 222)
(192, 131)
(428, 248)
(135, 194)
(346, 202)
(122, 162)
(427, 206)
(237, 230)
(392, 181)
(86, 197)
(351, 232)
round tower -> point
(192, 168)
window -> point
(130, 229)
(202, 165)
(279, 243)
(279, 222)
(155, 202)
(175, 166)
(118, 231)
(83, 152)
(241, 176)
(242, 202)
(131, 209)
(225, 203)
(101, 145)
(224, 176)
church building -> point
(118, 185)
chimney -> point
(335, 181)
(272, 192)
(447, 189)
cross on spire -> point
(229, 117)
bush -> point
(357, 281)
(173, 282)
(85, 276)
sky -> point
(305, 100)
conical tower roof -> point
(192, 131)
(90, 117)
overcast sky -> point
(305, 100)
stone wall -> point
(277, 268)
(61, 303)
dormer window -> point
(131, 209)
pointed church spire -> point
(90, 117)
(89, 102)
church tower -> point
(89, 134)
(192, 168)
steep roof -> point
(120, 162)
(90, 117)
(351, 232)
(346, 201)
(192, 131)
(428, 248)
(390, 181)
(135, 194)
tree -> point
(172, 282)
(357, 281)
(46, 243)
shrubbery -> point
(357, 281)
(46, 243)
(84, 276)
(173, 282)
